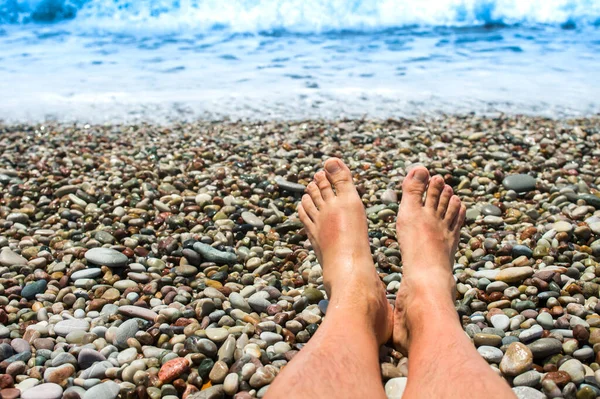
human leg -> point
(443, 362)
(341, 359)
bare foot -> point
(428, 234)
(336, 226)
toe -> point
(305, 219)
(436, 185)
(315, 194)
(309, 207)
(324, 186)
(414, 185)
(444, 201)
(452, 210)
(339, 175)
(459, 220)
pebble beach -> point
(148, 261)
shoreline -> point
(171, 256)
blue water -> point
(107, 61)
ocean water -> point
(163, 60)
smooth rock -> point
(105, 390)
(107, 257)
(517, 359)
(528, 393)
(394, 388)
(520, 183)
(289, 186)
(211, 254)
(8, 257)
(43, 391)
(63, 328)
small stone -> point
(43, 391)
(107, 257)
(8, 257)
(521, 250)
(217, 334)
(90, 273)
(88, 356)
(214, 392)
(491, 210)
(531, 333)
(313, 295)
(125, 331)
(500, 321)
(127, 356)
(389, 196)
(545, 320)
(520, 183)
(514, 274)
(394, 388)
(482, 339)
(575, 369)
(238, 302)
(231, 383)
(137, 311)
(63, 328)
(32, 289)
(289, 186)
(173, 369)
(529, 378)
(562, 227)
(253, 220)
(105, 390)
(214, 255)
(517, 359)
(262, 377)
(490, 353)
(545, 347)
(528, 393)
(493, 220)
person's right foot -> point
(428, 234)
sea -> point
(115, 61)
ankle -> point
(430, 299)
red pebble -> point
(173, 369)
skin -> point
(341, 359)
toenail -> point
(420, 175)
(332, 166)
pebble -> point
(86, 274)
(575, 369)
(500, 321)
(126, 330)
(32, 289)
(43, 391)
(394, 388)
(253, 220)
(529, 378)
(528, 393)
(490, 354)
(106, 256)
(517, 359)
(214, 255)
(105, 390)
(65, 327)
(136, 311)
(520, 183)
(8, 257)
(289, 186)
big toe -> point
(339, 175)
(414, 185)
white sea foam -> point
(299, 15)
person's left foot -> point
(336, 225)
